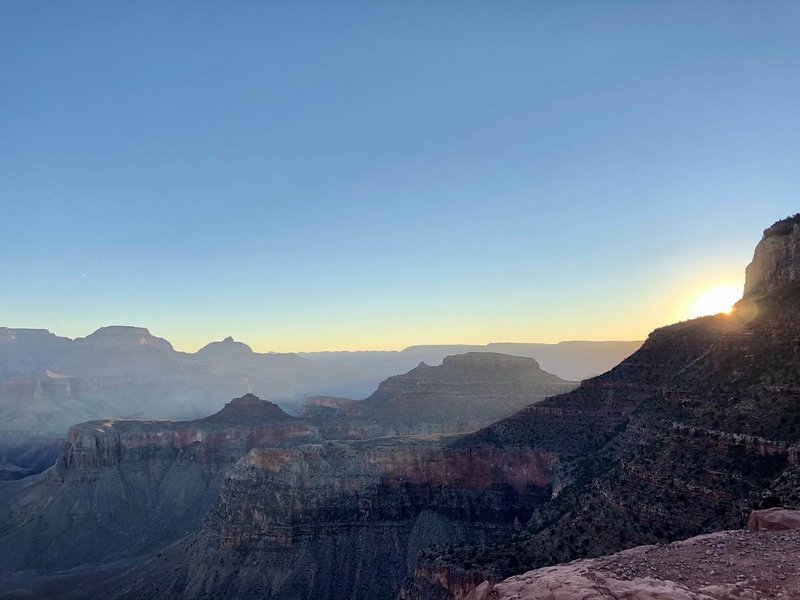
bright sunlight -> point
(714, 300)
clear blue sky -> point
(374, 174)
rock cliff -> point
(122, 488)
(776, 260)
(345, 520)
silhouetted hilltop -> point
(247, 410)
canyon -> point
(122, 488)
(49, 382)
(695, 434)
(687, 436)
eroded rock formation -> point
(121, 488)
(776, 260)
(345, 520)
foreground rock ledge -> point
(728, 565)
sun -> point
(714, 300)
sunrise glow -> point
(714, 300)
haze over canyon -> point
(352, 300)
(446, 480)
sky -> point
(371, 175)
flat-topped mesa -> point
(115, 336)
(464, 393)
(11, 334)
(492, 363)
(248, 410)
(243, 423)
(776, 260)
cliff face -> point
(776, 261)
(464, 393)
(346, 519)
(121, 488)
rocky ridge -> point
(727, 565)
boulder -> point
(773, 519)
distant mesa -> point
(491, 362)
(466, 392)
(116, 336)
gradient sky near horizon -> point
(370, 175)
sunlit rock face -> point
(776, 261)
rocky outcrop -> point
(729, 565)
(773, 519)
(244, 423)
(776, 261)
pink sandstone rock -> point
(773, 519)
